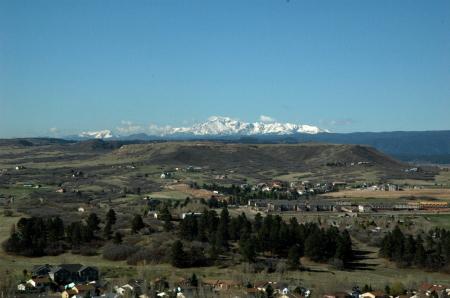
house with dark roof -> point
(41, 271)
(382, 205)
(74, 272)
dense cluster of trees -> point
(36, 236)
(430, 253)
(267, 236)
(194, 257)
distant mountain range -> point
(104, 135)
(217, 127)
(222, 126)
(400, 142)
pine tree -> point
(420, 256)
(194, 280)
(92, 222)
(117, 238)
(269, 291)
(168, 225)
(248, 251)
(111, 217)
(177, 255)
(293, 259)
(137, 224)
(107, 231)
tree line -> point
(36, 236)
(432, 252)
(269, 236)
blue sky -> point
(142, 66)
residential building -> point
(74, 272)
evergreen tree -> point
(410, 245)
(420, 256)
(315, 246)
(177, 255)
(165, 213)
(107, 231)
(194, 280)
(117, 238)
(293, 259)
(257, 223)
(92, 222)
(222, 234)
(269, 291)
(168, 225)
(137, 224)
(111, 217)
(248, 251)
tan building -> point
(432, 205)
(374, 294)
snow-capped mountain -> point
(222, 126)
(104, 134)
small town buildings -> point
(382, 205)
(343, 202)
(406, 206)
(428, 288)
(84, 209)
(433, 205)
(374, 294)
(83, 289)
(68, 293)
(364, 208)
(166, 176)
(40, 283)
(74, 272)
(184, 215)
(26, 287)
(393, 187)
(41, 271)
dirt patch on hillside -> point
(206, 194)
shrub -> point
(118, 252)
(133, 239)
(337, 264)
(88, 251)
(54, 249)
(147, 255)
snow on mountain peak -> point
(104, 134)
(221, 126)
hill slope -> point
(253, 160)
